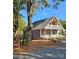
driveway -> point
(57, 52)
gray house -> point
(47, 29)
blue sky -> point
(60, 13)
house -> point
(47, 29)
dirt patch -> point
(35, 45)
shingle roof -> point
(41, 24)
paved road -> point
(58, 52)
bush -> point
(25, 42)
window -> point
(48, 32)
(54, 22)
(54, 31)
(49, 23)
(42, 32)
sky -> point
(60, 13)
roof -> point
(41, 23)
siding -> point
(35, 34)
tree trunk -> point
(30, 27)
(16, 37)
(29, 18)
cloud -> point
(44, 13)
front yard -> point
(34, 46)
(57, 51)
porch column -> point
(40, 32)
(57, 32)
(57, 28)
(44, 33)
(51, 32)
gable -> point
(54, 21)
(54, 24)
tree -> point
(16, 8)
(19, 31)
(32, 6)
(21, 26)
(63, 22)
